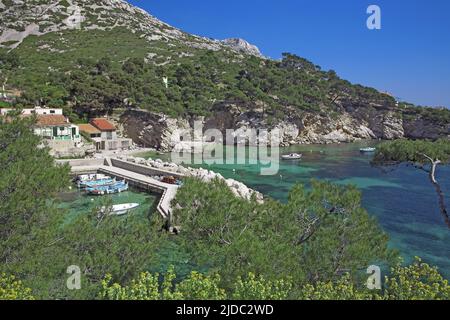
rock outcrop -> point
(157, 131)
(242, 46)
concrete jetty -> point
(167, 191)
(135, 174)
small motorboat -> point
(368, 150)
(118, 209)
(292, 156)
(117, 187)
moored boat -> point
(292, 156)
(118, 209)
(368, 150)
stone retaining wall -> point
(82, 162)
(145, 170)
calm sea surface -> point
(402, 199)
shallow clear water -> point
(403, 200)
(76, 203)
(79, 203)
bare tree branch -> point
(437, 186)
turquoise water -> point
(78, 203)
(75, 204)
(403, 200)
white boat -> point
(367, 150)
(292, 156)
(92, 177)
(118, 209)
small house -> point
(56, 127)
(93, 134)
(107, 129)
(106, 135)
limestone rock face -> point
(393, 127)
(242, 46)
(419, 128)
(145, 128)
(236, 123)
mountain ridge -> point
(111, 58)
(36, 20)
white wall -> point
(109, 135)
(48, 131)
(38, 111)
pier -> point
(135, 175)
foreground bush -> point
(13, 289)
(418, 281)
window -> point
(52, 111)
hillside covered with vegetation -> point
(100, 71)
(318, 245)
(103, 68)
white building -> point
(36, 111)
(104, 134)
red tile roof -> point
(89, 129)
(103, 124)
(51, 120)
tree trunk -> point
(440, 193)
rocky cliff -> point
(157, 131)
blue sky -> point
(409, 56)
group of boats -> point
(100, 184)
(298, 156)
